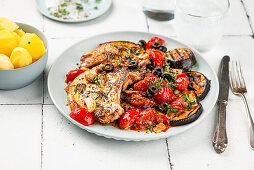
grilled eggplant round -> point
(191, 115)
(199, 83)
(181, 58)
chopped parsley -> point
(96, 81)
(150, 127)
(28, 42)
(95, 8)
(79, 6)
(97, 1)
(63, 5)
(166, 68)
(119, 64)
(157, 82)
(187, 99)
(172, 109)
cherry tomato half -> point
(136, 99)
(128, 118)
(165, 94)
(143, 85)
(73, 74)
(82, 116)
(147, 117)
(182, 82)
(158, 57)
(154, 39)
(178, 102)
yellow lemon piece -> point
(5, 62)
(8, 41)
(6, 24)
(33, 44)
(20, 57)
(20, 32)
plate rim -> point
(105, 9)
(142, 138)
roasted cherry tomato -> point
(165, 94)
(147, 118)
(182, 82)
(73, 74)
(154, 39)
(143, 85)
(82, 116)
(136, 99)
(129, 117)
(158, 57)
(178, 102)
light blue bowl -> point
(21, 77)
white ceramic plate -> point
(102, 7)
(69, 58)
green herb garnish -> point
(79, 6)
(119, 64)
(187, 99)
(95, 8)
(172, 109)
(28, 42)
(63, 5)
(96, 81)
(150, 127)
(97, 1)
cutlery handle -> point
(220, 139)
(250, 120)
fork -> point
(238, 87)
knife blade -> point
(224, 79)
(220, 139)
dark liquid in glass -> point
(159, 15)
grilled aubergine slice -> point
(199, 83)
(189, 115)
(181, 58)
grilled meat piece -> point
(104, 88)
(181, 58)
(106, 97)
(115, 52)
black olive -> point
(108, 67)
(146, 94)
(158, 70)
(151, 64)
(163, 106)
(163, 49)
(166, 76)
(132, 64)
(153, 90)
(156, 45)
(142, 43)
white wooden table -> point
(35, 136)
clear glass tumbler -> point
(162, 10)
(199, 23)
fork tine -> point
(238, 75)
(230, 77)
(233, 72)
(242, 77)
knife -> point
(220, 140)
